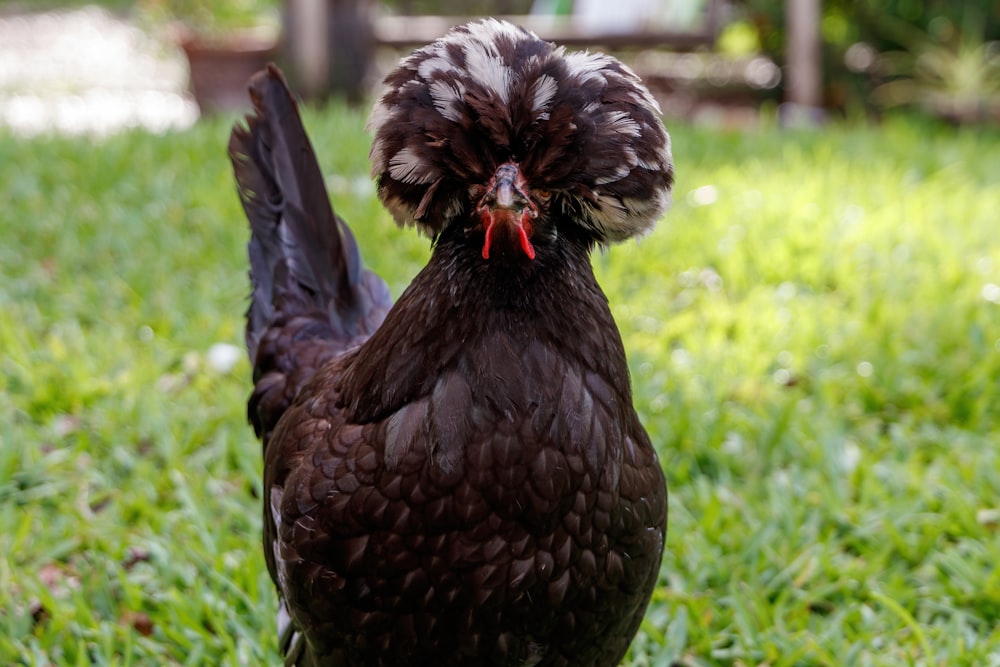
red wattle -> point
(526, 246)
(488, 241)
(490, 222)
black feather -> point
(461, 480)
(295, 234)
(311, 297)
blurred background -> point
(93, 66)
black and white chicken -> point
(458, 478)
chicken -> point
(459, 478)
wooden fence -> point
(332, 44)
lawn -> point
(814, 336)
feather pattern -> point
(304, 262)
(459, 478)
(581, 125)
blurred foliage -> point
(884, 25)
(205, 16)
(458, 7)
(16, 6)
(955, 76)
(211, 16)
(941, 49)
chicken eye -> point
(543, 195)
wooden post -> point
(330, 46)
(351, 47)
(306, 45)
(803, 64)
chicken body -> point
(459, 478)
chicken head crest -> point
(581, 131)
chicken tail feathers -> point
(312, 297)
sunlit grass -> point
(814, 334)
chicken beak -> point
(504, 190)
(507, 210)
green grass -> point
(815, 345)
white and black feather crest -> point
(580, 125)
